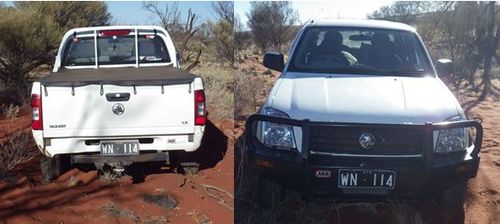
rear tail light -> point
(200, 117)
(36, 112)
(105, 33)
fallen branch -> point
(219, 199)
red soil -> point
(82, 197)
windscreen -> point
(115, 50)
(360, 51)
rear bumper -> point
(318, 175)
(123, 160)
(78, 145)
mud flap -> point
(53, 167)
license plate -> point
(356, 178)
(120, 148)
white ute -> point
(359, 112)
(132, 104)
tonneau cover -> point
(124, 76)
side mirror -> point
(274, 61)
(444, 67)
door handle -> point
(113, 97)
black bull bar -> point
(257, 147)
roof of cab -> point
(365, 23)
(131, 27)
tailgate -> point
(149, 110)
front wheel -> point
(269, 193)
(453, 197)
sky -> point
(133, 12)
(322, 9)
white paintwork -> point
(161, 143)
(361, 98)
(380, 24)
(168, 118)
(364, 98)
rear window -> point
(114, 50)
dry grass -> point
(199, 218)
(110, 177)
(111, 209)
(253, 83)
(219, 89)
(10, 111)
(247, 92)
(17, 149)
(157, 220)
(73, 181)
(164, 200)
(320, 211)
(10, 95)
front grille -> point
(345, 140)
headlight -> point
(275, 134)
(452, 140)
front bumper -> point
(416, 175)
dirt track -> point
(483, 199)
(163, 196)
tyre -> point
(453, 197)
(190, 168)
(269, 193)
(53, 167)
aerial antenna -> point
(316, 16)
(74, 37)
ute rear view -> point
(113, 105)
(116, 96)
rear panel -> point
(88, 113)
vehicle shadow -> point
(296, 209)
(212, 150)
(23, 193)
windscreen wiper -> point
(406, 71)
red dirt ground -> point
(483, 199)
(83, 197)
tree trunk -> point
(195, 62)
(486, 78)
(490, 45)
